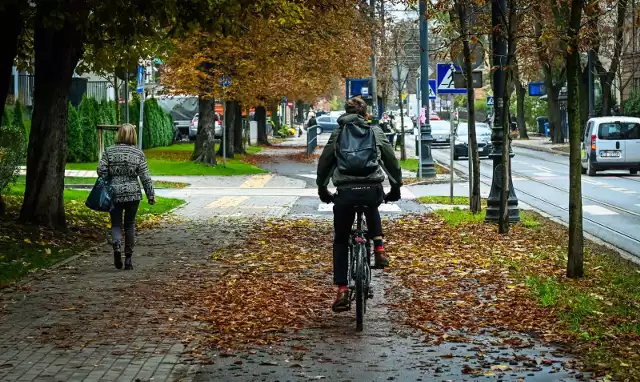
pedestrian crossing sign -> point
(445, 79)
(432, 89)
(489, 100)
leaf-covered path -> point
(249, 300)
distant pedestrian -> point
(122, 164)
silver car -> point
(441, 133)
(193, 127)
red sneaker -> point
(341, 302)
(381, 260)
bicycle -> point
(359, 275)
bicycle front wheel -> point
(360, 286)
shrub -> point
(18, 117)
(7, 117)
(88, 113)
(75, 152)
(12, 152)
(632, 105)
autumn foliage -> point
(300, 59)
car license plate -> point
(610, 154)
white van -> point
(611, 143)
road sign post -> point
(500, 142)
(140, 90)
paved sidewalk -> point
(88, 321)
(541, 144)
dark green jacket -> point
(327, 166)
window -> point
(619, 131)
(324, 119)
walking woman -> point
(122, 164)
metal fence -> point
(312, 139)
(98, 90)
(25, 89)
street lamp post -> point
(427, 166)
(500, 142)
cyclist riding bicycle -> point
(356, 159)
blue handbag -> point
(100, 197)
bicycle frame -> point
(359, 274)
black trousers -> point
(130, 210)
(344, 213)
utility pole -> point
(374, 78)
(500, 142)
(428, 169)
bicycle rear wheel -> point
(360, 287)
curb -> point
(538, 148)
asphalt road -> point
(611, 200)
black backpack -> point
(356, 151)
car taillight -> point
(593, 142)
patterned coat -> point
(123, 164)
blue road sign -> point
(444, 73)
(140, 85)
(432, 89)
(537, 89)
(224, 81)
(489, 100)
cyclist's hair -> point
(356, 105)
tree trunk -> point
(11, 24)
(238, 147)
(57, 52)
(521, 92)
(204, 149)
(607, 99)
(228, 136)
(206, 116)
(474, 202)
(273, 109)
(555, 116)
(261, 118)
(576, 240)
(584, 101)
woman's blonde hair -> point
(127, 135)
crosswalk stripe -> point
(387, 207)
(598, 210)
(621, 189)
(256, 181)
(227, 202)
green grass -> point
(24, 250)
(176, 160)
(75, 180)
(458, 216)
(457, 200)
(412, 165)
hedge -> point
(82, 140)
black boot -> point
(117, 259)
(128, 265)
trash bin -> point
(540, 121)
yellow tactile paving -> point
(227, 202)
(256, 181)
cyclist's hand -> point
(325, 195)
(393, 195)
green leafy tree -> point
(7, 117)
(74, 138)
(18, 112)
(12, 146)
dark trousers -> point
(344, 213)
(130, 210)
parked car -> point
(440, 131)
(483, 137)
(611, 143)
(327, 123)
(193, 127)
(399, 119)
